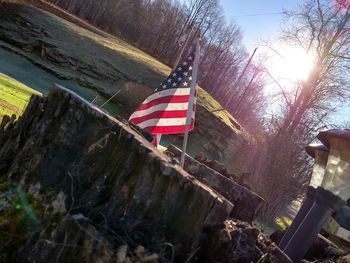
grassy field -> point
(96, 62)
(14, 96)
(38, 49)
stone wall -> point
(108, 171)
(246, 203)
(107, 174)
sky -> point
(258, 19)
(261, 20)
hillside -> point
(38, 49)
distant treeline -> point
(161, 27)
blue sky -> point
(259, 26)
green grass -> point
(283, 222)
(14, 96)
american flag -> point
(165, 110)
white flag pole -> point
(191, 101)
(159, 136)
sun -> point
(291, 63)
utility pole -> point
(240, 77)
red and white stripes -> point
(164, 112)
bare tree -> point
(325, 30)
(321, 28)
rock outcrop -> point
(72, 177)
(246, 203)
(240, 242)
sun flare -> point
(292, 64)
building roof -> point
(324, 136)
(313, 147)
